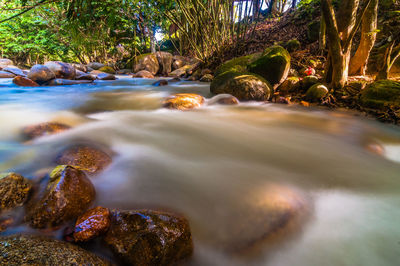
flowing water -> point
(218, 164)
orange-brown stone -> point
(24, 82)
(39, 130)
(92, 224)
(184, 101)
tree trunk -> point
(388, 62)
(358, 63)
(294, 3)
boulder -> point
(6, 75)
(95, 65)
(291, 84)
(316, 92)
(124, 72)
(273, 65)
(91, 224)
(179, 61)
(149, 237)
(37, 250)
(4, 62)
(84, 157)
(80, 67)
(95, 72)
(67, 195)
(244, 86)
(61, 69)
(178, 73)
(14, 191)
(381, 94)
(107, 69)
(207, 78)
(14, 70)
(165, 63)
(41, 74)
(184, 101)
(24, 82)
(143, 74)
(292, 45)
(106, 76)
(43, 129)
(67, 82)
(224, 99)
(238, 64)
(159, 83)
(147, 62)
(308, 81)
(84, 76)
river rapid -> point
(218, 164)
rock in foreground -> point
(68, 194)
(41, 74)
(24, 82)
(149, 237)
(14, 191)
(35, 250)
(184, 101)
(92, 224)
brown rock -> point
(24, 82)
(84, 157)
(14, 191)
(148, 237)
(6, 75)
(43, 129)
(159, 83)
(68, 194)
(225, 99)
(184, 101)
(61, 70)
(147, 62)
(165, 62)
(207, 78)
(41, 74)
(143, 74)
(80, 67)
(84, 76)
(14, 70)
(106, 76)
(36, 250)
(91, 224)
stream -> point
(222, 166)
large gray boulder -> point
(41, 74)
(61, 70)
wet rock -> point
(6, 75)
(95, 65)
(43, 129)
(207, 78)
(308, 81)
(14, 191)
(14, 70)
(84, 76)
(162, 82)
(149, 238)
(143, 74)
(61, 70)
(273, 65)
(316, 92)
(95, 72)
(291, 84)
(91, 224)
(84, 157)
(5, 223)
(174, 80)
(147, 62)
(244, 86)
(41, 74)
(106, 76)
(67, 82)
(184, 101)
(68, 194)
(36, 250)
(238, 64)
(24, 82)
(107, 69)
(165, 63)
(225, 99)
(381, 94)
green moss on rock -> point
(316, 92)
(238, 64)
(273, 65)
(381, 94)
(292, 45)
(107, 69)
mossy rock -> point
(291, 84)
(292, 45)
(238, 64)
(313, 31)
(273, 65)
(107, 69)
(380, 94)
(316, 92)
(308, 81)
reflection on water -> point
(236, 172)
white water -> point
(217, 164)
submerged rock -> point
(14, 191)
(273, 65)
(316, 92)
(149, 237)
(143, 74)
(41, 74)
(380, 94)
(68, 194)
(162, 82)
(36, 250)
(91, 224)
(225, 99)
(24, 82)
(84, 157)
(6, 75)
(61, 70)
(184, 101)
(67, 82)
(43, 129)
